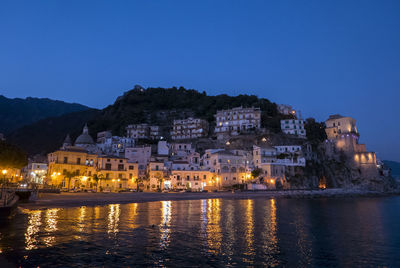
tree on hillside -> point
(315, 131)
(11, 156)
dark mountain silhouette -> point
(48, 134)
(15, 113)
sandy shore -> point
(94, 199)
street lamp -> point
(4, 171)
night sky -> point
(322, 57)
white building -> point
(288, 149)
(337, 125)
(103, 135)
(229, 166)
(163, 148)
(237, 120)
(140, 155)
(181, 149)
(294, 127)
(286, 109)
(266, 154)
(37, 172)
(143, 131)
(263, 154)
(114, 145)
(190, 128)
(155, 133)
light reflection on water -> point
(165, 224)
(32, 230)
(213, 229)
(51, 226)
(216, 232)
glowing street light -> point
(4, 171)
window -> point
(65, 160)
(108, 166)
(120, 166)
(78, 161)
(156, 167)
(120, 176)
(131, 167)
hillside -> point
(160, 106)
(48, 134)
(15, 113)
(153, 105)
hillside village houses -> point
(114, 163)
(143, 131)
(286, 109)
(190, 128)
(294, 127)
(237, 120)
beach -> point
(51, 200)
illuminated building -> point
(230, 167)
(343, 137)
(286, 109)
(36, 172)
(237, 120)
(190, 128)
(337, 125)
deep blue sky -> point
(322, 57)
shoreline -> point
(65, 200)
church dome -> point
(84, 138)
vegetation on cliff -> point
(11, 156)
(160, 106)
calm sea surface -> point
(354, 232)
